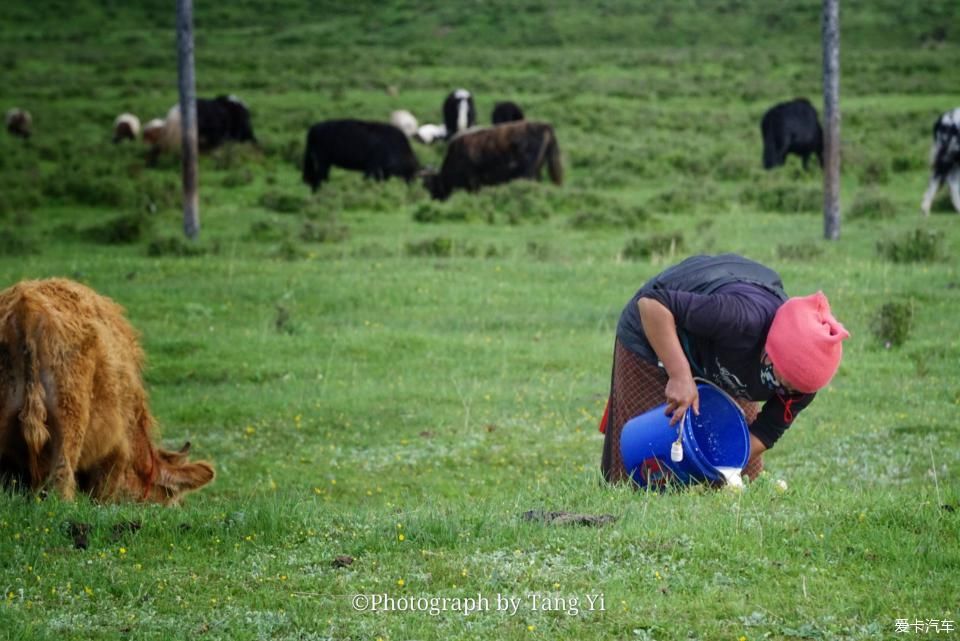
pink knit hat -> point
(804, 342)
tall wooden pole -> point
(188, 118)
(831, 114)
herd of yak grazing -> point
(511, 148)
(73, 407)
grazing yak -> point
(19, 122)
(496, 155)
(429, 134)
(944, 160)
(405, 122)
(218, 120)
(791, 127)
(154, 131)
(126, 127)
(459, 112)
(506, 112)
(73, 408)
(377, 149)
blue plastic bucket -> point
(717, 437)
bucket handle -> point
(722, 391)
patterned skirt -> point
(637, 386)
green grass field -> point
(398, 381)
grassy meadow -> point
(387, 385)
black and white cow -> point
(494, 155)
(791, 127)
(944, 160)
(377, 149)
(506, 111)
(459, 112)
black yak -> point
(19, 122)
(506, 112)
(459, 112)
(497, 155)
(377, 149)
(791, 127)
(944, 159)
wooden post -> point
(831, 115)
(188, 118)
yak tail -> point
(33, 414)
(554, 164)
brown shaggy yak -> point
(495, 155)
(73, 408)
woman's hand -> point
(682, 394)
(661, 330)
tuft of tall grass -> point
(919, 245)
(871, 205)
(892, 322)
(656, 245)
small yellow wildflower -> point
(401, 582)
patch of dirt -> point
(568, 518)
(342, 561)
(80, 533)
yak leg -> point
(932, 188)
(953, 181)
(71, 418)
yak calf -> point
(73, 408)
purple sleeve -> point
(733, 318)
(776, 416)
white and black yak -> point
(459, 112)
(944, 160)
(218, 120)
(19, 122)
(126, 126)
(154, 132)
(430, 133)
(506, 111)
(404, 121)
(495, 155)
(377, 149)
(791, 128)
